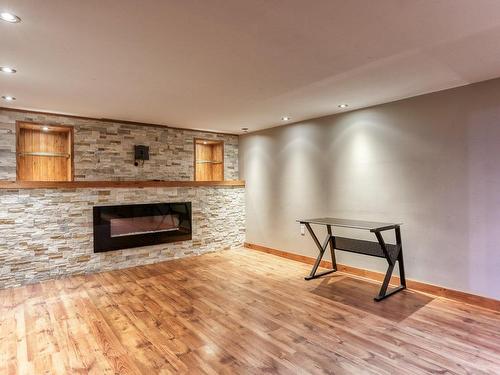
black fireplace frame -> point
(102, 215)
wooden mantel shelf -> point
(114, 184)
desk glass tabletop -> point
(347, 223)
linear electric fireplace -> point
(123, 227)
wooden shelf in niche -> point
(208, 160)
(44, 152)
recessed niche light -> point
(343, 105)
(45, 128)
(8, 98)
(204, 142)
(6, 69)
(9, 17)
(285, 118)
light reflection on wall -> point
(428, 162)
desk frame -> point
(391, 257)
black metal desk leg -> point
(402, 275)
(321, 249)
(332, 247)
(383, 290)
(392, 262)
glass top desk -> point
(391, 252)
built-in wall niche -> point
(44, 152)
(208, 160)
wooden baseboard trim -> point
(439, 291)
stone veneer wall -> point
(47, 233)
(104, 150)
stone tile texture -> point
(48, 233)
(104, 150)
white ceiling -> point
(227, 64)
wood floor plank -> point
(238, 312)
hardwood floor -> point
(238, 312)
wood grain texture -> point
(32, 139)
(218, 156)
(208, 160)
(237, 312)
(419, 286)
(113, 184)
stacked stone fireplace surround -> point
(47, 233)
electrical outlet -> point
(302, 229)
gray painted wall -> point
(431, 162)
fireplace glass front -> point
(127, 226)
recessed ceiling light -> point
(343, 105)
(244, 129)
(204, 142)
(9, 17)
(6, 69)
(285, 118)
(45, 128)
(8, 98)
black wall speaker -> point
(141, 152)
